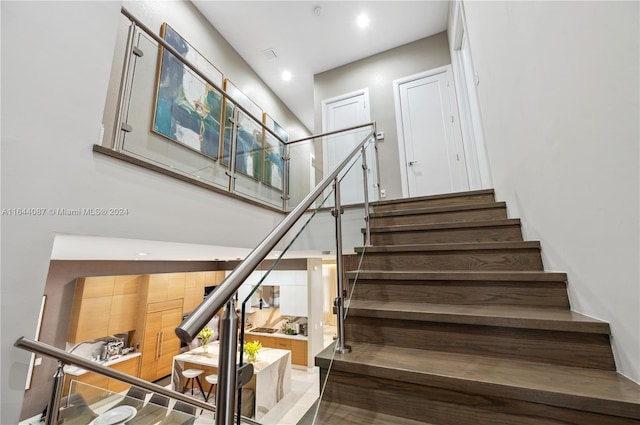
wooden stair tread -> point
(463, 246)
(592, 390)
(487, 315)
(448, 225)
(529, 276)
(433, 197)
(332, 413)
(440, 209)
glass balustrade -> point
(87, 404)
(171, 118)
(279, 312)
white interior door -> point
(341, 112)
(430, 144)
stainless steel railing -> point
(223, 296)
(72, 359)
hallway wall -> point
(558, 90)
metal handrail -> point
(330, 133)
(75, 360)
(197, 320)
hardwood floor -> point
(453, 320)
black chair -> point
(135, 397)
(182, 413)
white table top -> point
(266, 357)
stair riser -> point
(486, 260)
(483, 234)
(547, 294)
(452, 406)
(561, 348)
(498, 213)
(483, 198)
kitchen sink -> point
(264, 330)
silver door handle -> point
(412, 163)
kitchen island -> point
(271, 375)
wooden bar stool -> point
(193, 375)
(213, 380)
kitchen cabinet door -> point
(299, 352)
(91, 309)
(193, 291)
(160, 342)
(123, 313)
(170, 343)
(151, 346)
(130, 367)
(89, 319)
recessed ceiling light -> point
(142, 254)
(286, 75)
(363, 21)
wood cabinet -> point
(159, 341)
(193, 291)
(103, 306)
(164, 286)
(130, 367)
(299, 352)
(298, 347)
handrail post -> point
(126, 81)
(341, 347)
(235, 125)
(53, 407)
(365, 178)
(227, 368)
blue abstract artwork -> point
(188, 109)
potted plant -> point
(204, 336)
(251, 350)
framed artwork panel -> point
(188, 110)
(274, 151)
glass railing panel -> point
(313, 159)
(257, 157)
(84, 404)
(174, 115)
(354, 245)
(286, 309)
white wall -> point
(377, 73)
(559, 101)
(56, 60)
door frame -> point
(479, 170)
(345, 96)
(402, 154)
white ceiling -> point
(307, 43)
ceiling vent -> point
(269, 54)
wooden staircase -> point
(453, 321)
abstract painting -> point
(188, 109)
(273, 154)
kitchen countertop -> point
(77, 371)
(276, 334)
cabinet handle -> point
(157, 346)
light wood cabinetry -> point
(298, 347)
(157, 339)
(299, 352)
(193, 290)
(103, 306)
(130, 367)
(164, 286)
